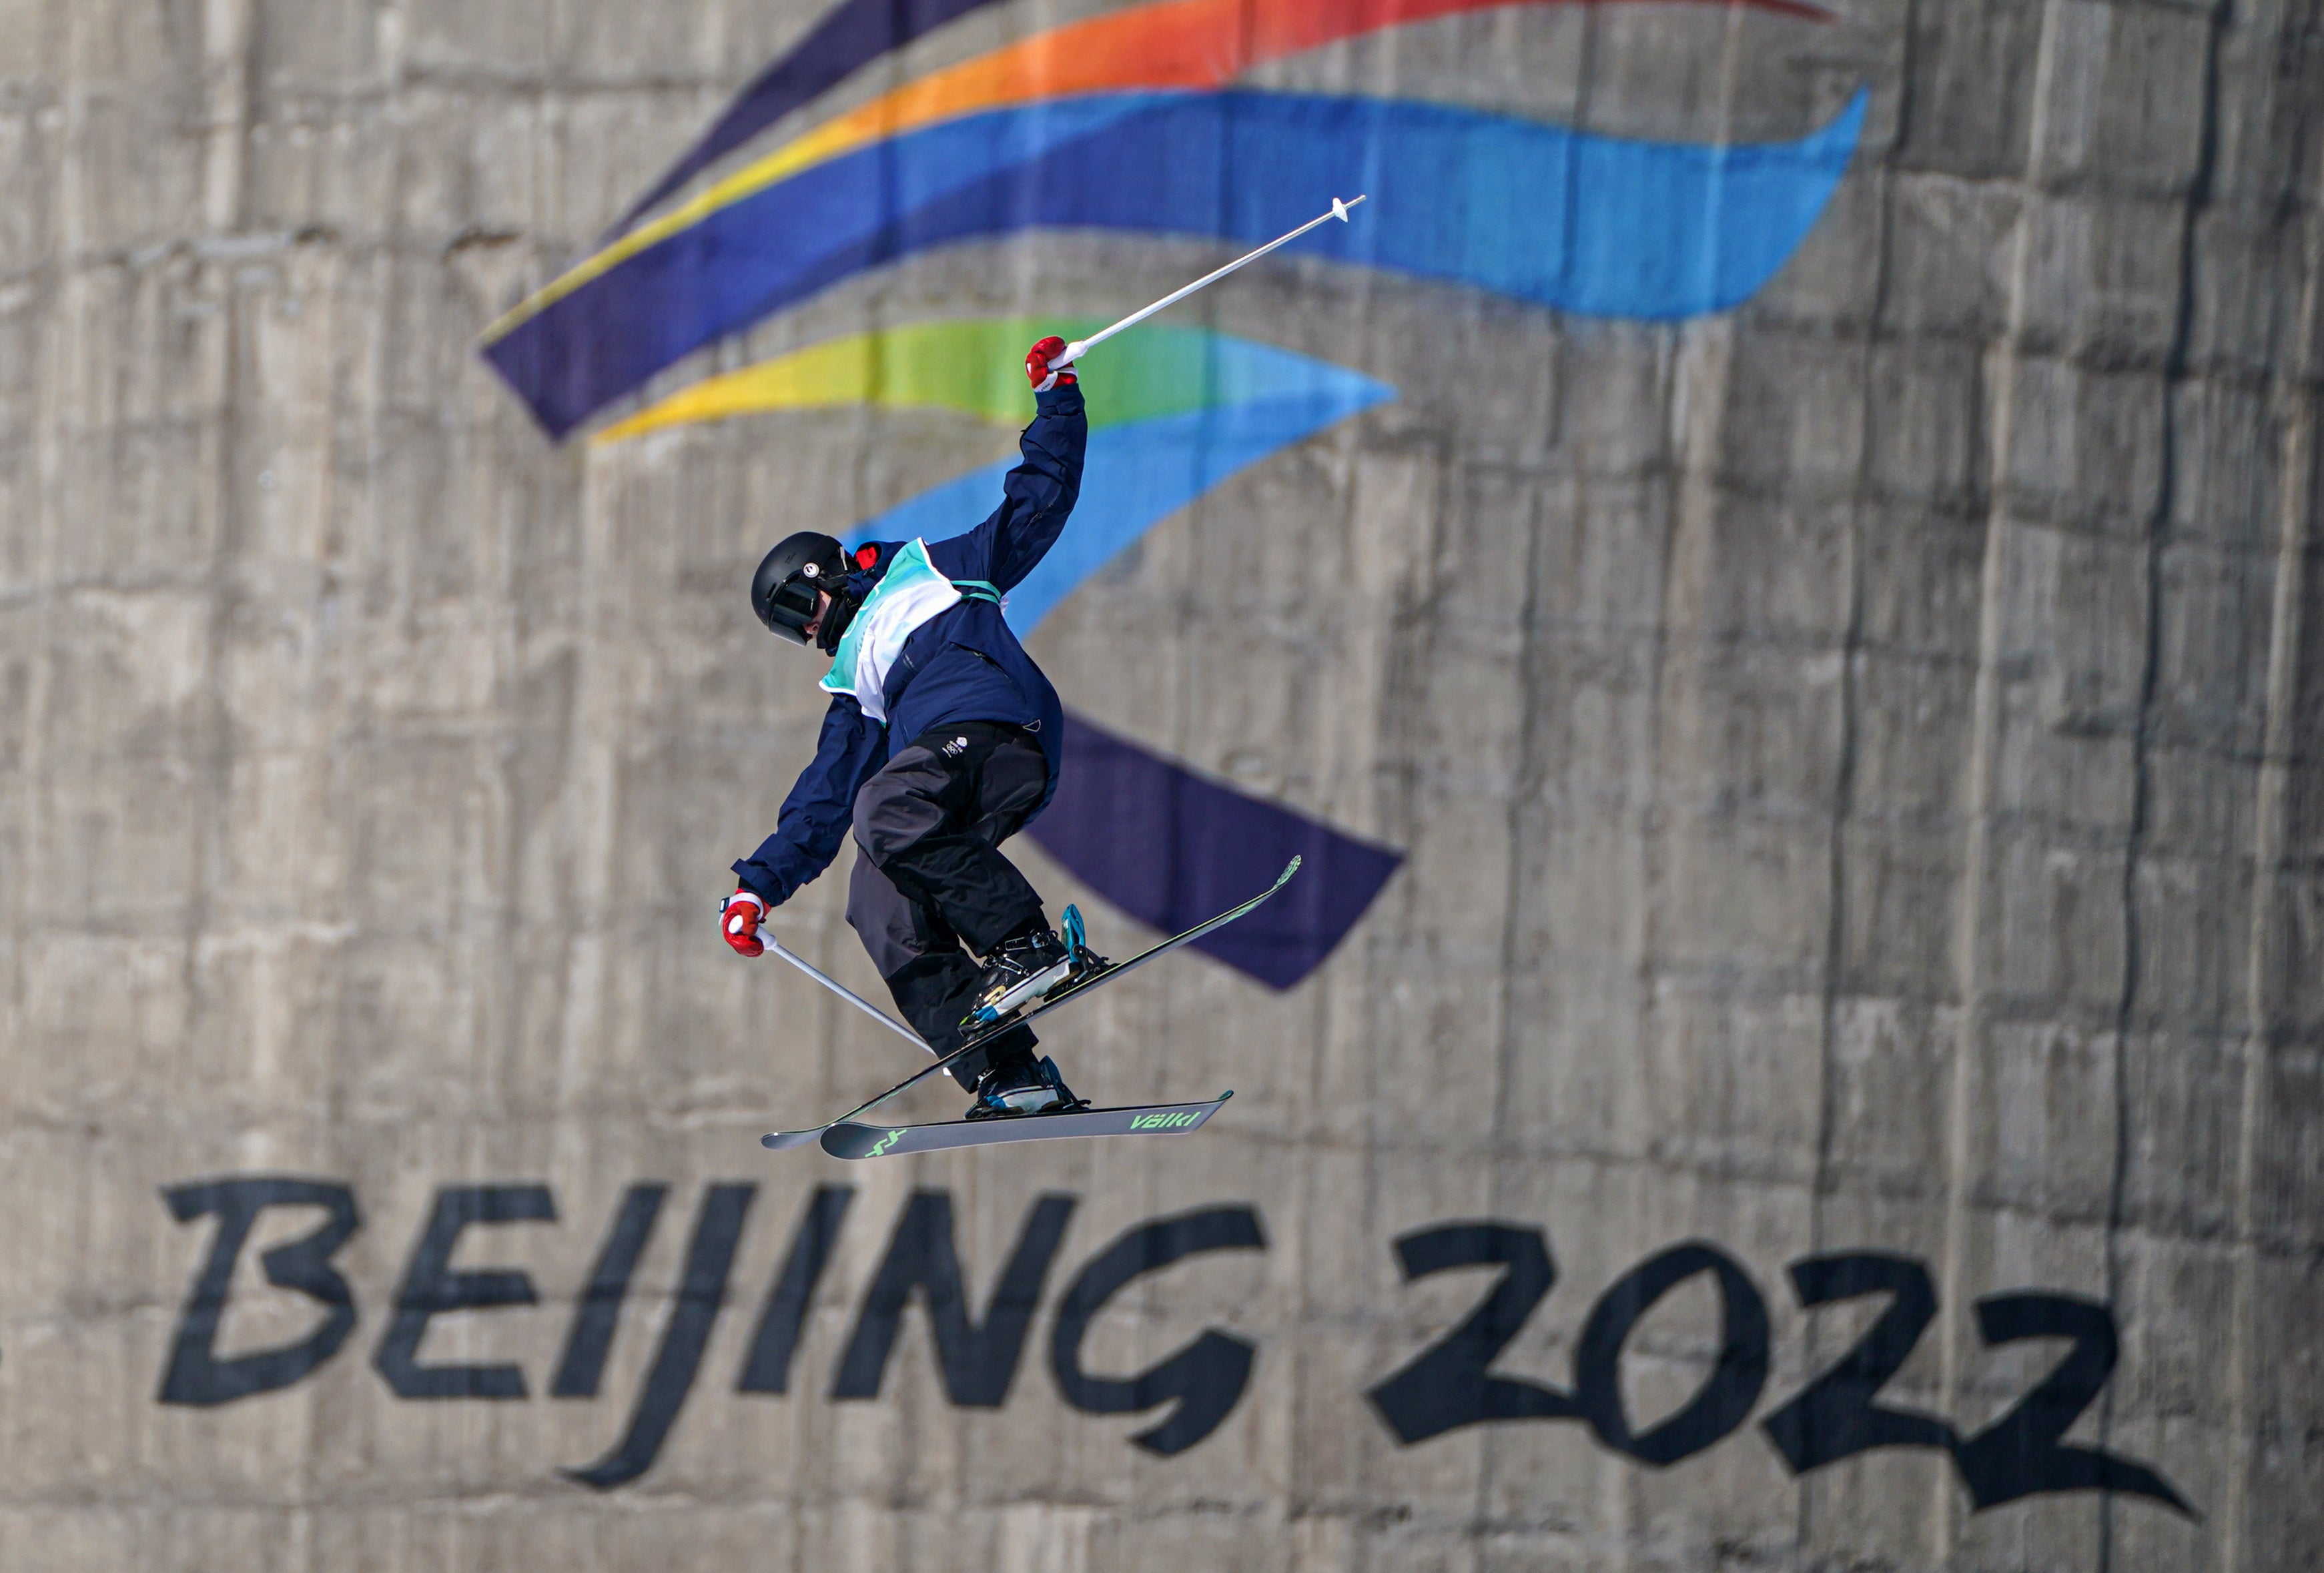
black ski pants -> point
(928, 874)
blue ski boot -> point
(1021, 1085)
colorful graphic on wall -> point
(1185, 408)
(1062, 131)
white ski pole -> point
(1075, 350)
(844, 992)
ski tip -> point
(783, 1141)
(1289, 869)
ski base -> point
(850, 1140)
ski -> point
(848, 1139)
(781, 1141)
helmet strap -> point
(847, 598)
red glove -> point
(739, 920)
(1040, 373)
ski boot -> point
(1021, 1085)
(1018, 972)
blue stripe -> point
(1598, 225)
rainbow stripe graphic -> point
(1063, 131)
(1134, 122)
(1602, 225)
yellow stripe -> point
(970, 366)
(844, 371)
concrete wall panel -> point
(1852, 757)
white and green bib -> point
(912, 592)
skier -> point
(941, 741)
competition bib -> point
(912, 592)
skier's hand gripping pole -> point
(739, 918)
(1041, 372)
(1075, 350)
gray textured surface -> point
(1859, 759)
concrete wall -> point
(1857, 759)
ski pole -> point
(844, 992)
(1075, 350)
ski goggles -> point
(791, 608)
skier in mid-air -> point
(941, 741)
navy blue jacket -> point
(961, 664)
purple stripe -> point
(851, 38)
(1171, 848)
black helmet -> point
(783, 591)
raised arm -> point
(1037, 495)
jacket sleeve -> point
(1035, 498)
(814, 817)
